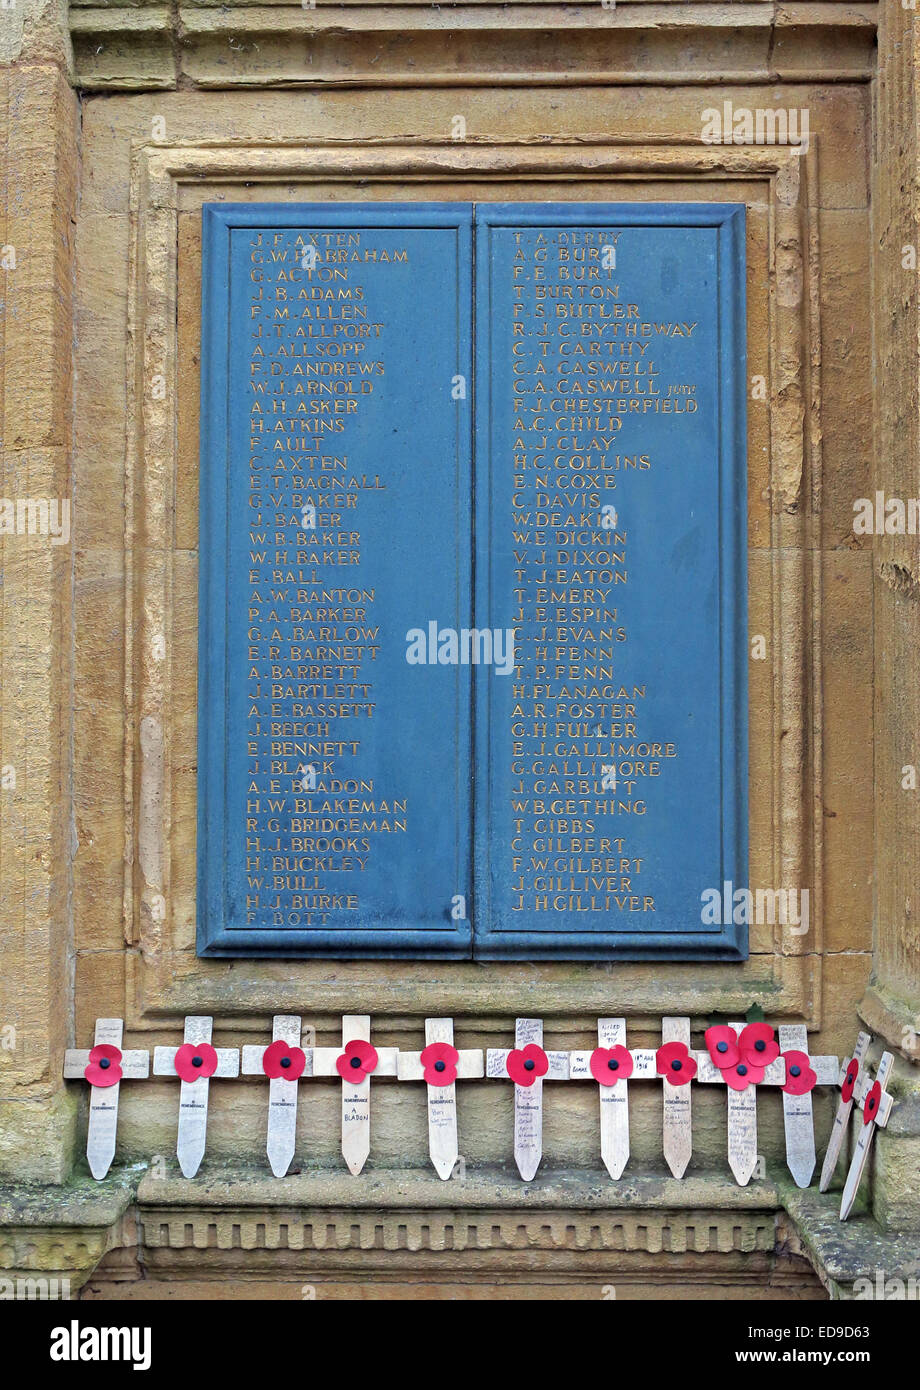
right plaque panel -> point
(611, 538)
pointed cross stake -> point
(742, 1103)
(355, 1064)
(527, 1064)
(283, 1062)
(850, 1075)
(441, 1065)
(875, 1104)
(195, 1062)
(104, 1066)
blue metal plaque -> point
(334, 776)
(346, 650)
(611, 537)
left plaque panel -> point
(333, 775)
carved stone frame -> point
(784, 971)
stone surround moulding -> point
(473, 42)
(164, 982)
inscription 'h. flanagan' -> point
(357, 608)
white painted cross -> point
(441, 1065)
(677, 1067)
(104, 1066)
(803, 1073)
(847, 1080)
(736, 1073)
(195, 1062)
(355, 1063)
(527, 1064)
(875, 1103)
(612, 1067)
(283, 1062)
(749, 1056)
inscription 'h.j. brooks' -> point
(431, 725)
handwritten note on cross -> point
(355, 1063)
(441, 1065)
(283, 1062)
(104, 1066)
(527, 1065)
(195, 1062)
(875, 1104)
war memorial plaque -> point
(335, 515)
(472, 599)
(610, 472)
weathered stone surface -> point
(125, 46)
(38, 177)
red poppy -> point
(440, 1062)
(723, 1046)
(800, 1078)
(758, 1045)
(674, 1061)
(611, 1064)
(103, 1068)
(195, 1060)
(357, 1061)
(849, 1080)
(281, 1062)
(526, 1065)
(742, 1075)
(872, 1102)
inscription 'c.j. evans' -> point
(513, 726)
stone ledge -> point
(56, 1236)
(124, 46)
(241, 1221)
(412, 1189)
(576, 1221)
(844, 1252)
(80, 1202)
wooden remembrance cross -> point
(850, 1075)
(355, 1064)
(104, 1066)
(284, 1061)
(875, 1103)
(441, 1065)
(195, 1062)
(526, 1064)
